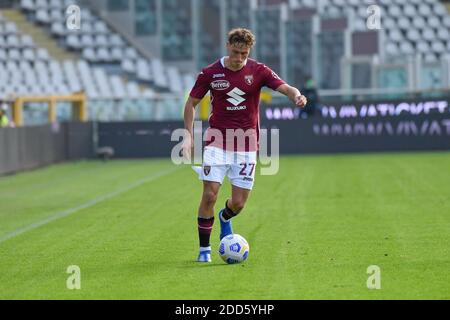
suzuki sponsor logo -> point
(236, 108)
(220, 85)
(236, 96)
(219, 75)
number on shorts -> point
(244, 168)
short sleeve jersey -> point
(235, 95)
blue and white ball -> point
(234, 249)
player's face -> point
(238, 54)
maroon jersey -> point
(235, 99)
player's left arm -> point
(293, 94)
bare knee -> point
(209, 197)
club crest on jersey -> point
(249, 79)
(207, 170)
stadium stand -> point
(98, 44)
(41, 56)
(329, 40)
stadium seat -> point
(395, 35)
(403, 23)
(359, 25)
(42, 54)
(443, 34)
(143, 71)
(103, 55)
(116, 54)
(413, 35)
(73, 41)
(388, 23)
(392, 48)
(89, 54)
(419, 22)
(174, 79)
(116, 41)
(131, 53)
(128, 66)
(12, 41)
(10, 28)
(102, 82)
(446, 21)
(56, 16)
(428, 34)
(27, 5)
(101, 41)
(87, 41)
(423, 47)
(439, 9)
(395, 11)
(100, 27)
(159, 77)
(425, 10)
(58, 29)
(27, 41)
(430, 58)
(87, 28)
(410, 11)
(41, 4)
(133, 90)
(29, 55)
(406, 47)
(118, 87)
(14, 55)
(42, 16)
(56, 5)
(438, 47)
(434, 22)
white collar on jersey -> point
(222, 61)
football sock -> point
(205, 226)
(203, 249)
(227, 213)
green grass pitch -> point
(314, 229)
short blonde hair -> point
(241, 37)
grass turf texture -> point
(314, 228)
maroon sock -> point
(204, 230)
(228, 213)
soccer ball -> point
(234, 249)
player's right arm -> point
(189, 114)
(201, 87)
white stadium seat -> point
(434, 22)
(423, 47)
(143, 71)
(406, 48)
(430, 57)
(424, 10)
(404, 23)
(438, 47)
(128, 66)
(428, 34)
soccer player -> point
(235, 83)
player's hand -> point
(187, 148)
(301, 101)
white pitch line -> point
(89, 204)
